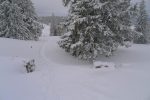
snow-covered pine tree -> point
(142, 23)
(28, 10)
(96, 27)
(12, 24)
(15, 23)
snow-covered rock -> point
(104, 65)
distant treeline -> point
(49, 19)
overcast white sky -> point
(47, 7)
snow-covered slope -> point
(59, 76)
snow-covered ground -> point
(59, 76)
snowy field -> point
(59, 76)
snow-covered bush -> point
(96, 27)
(30, 66)
(127, 44)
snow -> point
(46, 30)
(59, 76)
(76, 44)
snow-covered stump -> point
(30, 66)
(104, 65)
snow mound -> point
(104, 65)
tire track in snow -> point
(49, 77)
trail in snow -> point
(48, 75)
(46, 31)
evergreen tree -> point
(27, 8)
(31, 19)
(16, 24)
(12, 25)
(142, 23)
(96, 27)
